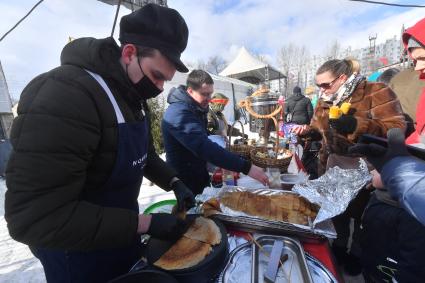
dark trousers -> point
(393, 244)
(342, 223)
(81, 267)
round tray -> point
(161, 206)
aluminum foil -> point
(324, 228)
(334, 190)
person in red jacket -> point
(414, 42)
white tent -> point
(6, 116)
(134, 4)
(248, 68)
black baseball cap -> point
(157, 27)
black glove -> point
(378, 155)
(184, 196)
(167, 226)
(344, 125)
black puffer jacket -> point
(64, 144)
(300, 108)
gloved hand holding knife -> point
(184, 196)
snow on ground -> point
(17, 263)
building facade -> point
(6, 116)
(386, 53)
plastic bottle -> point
(280, 125)
(217, 178)
(228, 178)
(293, 143)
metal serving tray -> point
(319, 273)
(240, 269)
(295, 269)
(250, 224)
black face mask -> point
(145, 88)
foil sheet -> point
(325, 228)
(334, 190)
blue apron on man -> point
(121, 191)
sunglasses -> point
(327, 85)
(219, 101)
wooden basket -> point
(268, 162)
(243, 150)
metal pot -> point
(264, 104)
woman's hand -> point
(258, 174)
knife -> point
(272, 267)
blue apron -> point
(121, 191)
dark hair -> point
(197, 78)
(142, 51)
(387, 75)
(337, 67)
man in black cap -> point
(82, 145)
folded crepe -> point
(204, 230)
(193, 247)
(184, 253)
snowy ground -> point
(18, 265)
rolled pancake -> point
(282, 207)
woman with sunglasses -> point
(374, 109)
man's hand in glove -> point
(184, 196)
(344, 125)
(378, 155)
(166, 226)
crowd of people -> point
(82, 145)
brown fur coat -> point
(376, 108)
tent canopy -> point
(247, 66)
(374, 76)
(134, 4)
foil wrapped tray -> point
(249, 223)
(332, 192)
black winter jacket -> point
(393, 244)
(65, 144)
(300, 108)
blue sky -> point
(216, 27)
